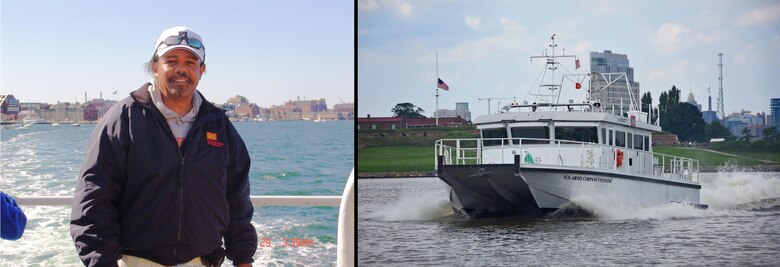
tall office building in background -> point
(774, 107)
(611, 97)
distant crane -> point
(492, 98)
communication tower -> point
(721, 108)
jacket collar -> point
(142, 96)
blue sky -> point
(484, 48)
(268, 51)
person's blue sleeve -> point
(12, 220)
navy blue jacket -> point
(140, 194)
(12, 219)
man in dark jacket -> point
(165, 178)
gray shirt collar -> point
(170, 114)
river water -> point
(403, 222)
(288, 158)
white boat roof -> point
(568, 116)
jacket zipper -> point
(164, 124)
(181, 203)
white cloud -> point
(368, 5)
(672, 37)
(759, 16)
(511, 26)
(508, 39)
(474, 23)
(744, 54)
(582, 48)
(669, 37)
(401, 7)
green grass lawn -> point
(775, 157)
(395, 159)
(705, 158)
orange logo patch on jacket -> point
(211, 139)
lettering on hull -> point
(587, 179)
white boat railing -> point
(346, 234)
(346, 230)
(300, 201)
(560, 153)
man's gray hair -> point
(148, 65)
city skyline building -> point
(692, 101)
(238, 107)
(739, 120)
(709, 115)
(461, 110)
(616, 96)
(774, 107)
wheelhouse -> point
(547, 132)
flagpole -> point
(436, 112)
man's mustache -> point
(173, 78)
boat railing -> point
(345, 202)
(299, 201)
(539, 151)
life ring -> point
(619, 156)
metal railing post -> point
(345, 241)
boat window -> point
(638, 141)
(647, 143)
(620, 139)
(493, 133)
(603, 136)
(531, 132)
(610, 137)
(629, 139)
(581, 134)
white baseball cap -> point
(180, 37)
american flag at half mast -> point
(442, 85)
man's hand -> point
(245, 265)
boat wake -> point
(735, 188)
(417, 206)
(730, 192)
(733, 191)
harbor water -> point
(405, 222)
(300, 158)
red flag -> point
(578, 85)
(577, 65)
(442, 85)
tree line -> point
(685, 120)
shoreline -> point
(419, 174)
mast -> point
(552, 65)
(436, 112)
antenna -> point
(552, 65)
(721, 108)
